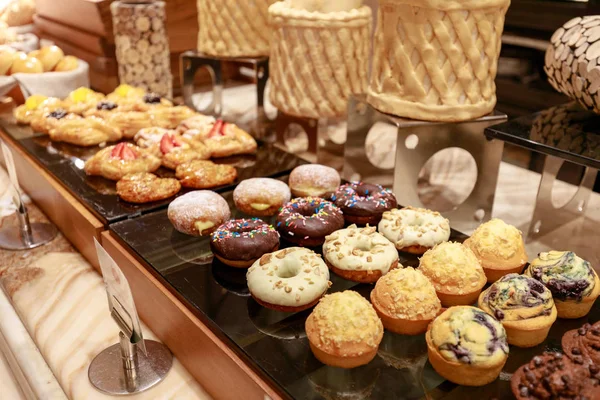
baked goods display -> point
(524, 307)
(240, 242)
(554, 376)
(198, 213)
(499, 247)
(144, 187)
(344, 330)
(467, 346)
(314, 180)
(455, 273)
(114, 162)
(88, 131)
(359, 254)
(261, 197)
(572, 280)
(436, 60)
(582, 345)
(329, 61)
(406, 301)
(363, 203)
(414, 230)
(307, 221)
(204, 174)
(288, 280)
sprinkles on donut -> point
(306, 221)
(363, 203)
(240, 242)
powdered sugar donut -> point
(198, 213)
(261, 197)
(314, 180)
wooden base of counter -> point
(76, 222)
(214, 365)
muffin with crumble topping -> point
(499, 248)
(405, 300)
(343, 330)
(467, 346)
(572, 280)
(455, 273)
(524, 307)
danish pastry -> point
(114, 162)
(82, 99)
(222, 138)
(89, 131)
(170, 117)
(45, 122)
(36, 105)
(130, 122)
(144, 187)
(176, 150)
(203, 174)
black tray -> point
(65, 162)
(275, 343)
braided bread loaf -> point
(436, 60)
(317, 58)
(232, 28)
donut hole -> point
(288, 269)
(307, 211)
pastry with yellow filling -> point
(35, 105)
(124, 91)
(455, 273)
(314, 180)
(136, 99)
(45, 122)
(499, 247)
(144, 187)
(222, 138)
(198, 213)
(89, 131)
(406, 301)
(261, 197)
(344, 330)
(82, 99)
(114, 162)
(524, 307)
(467, 346)
(572, 280)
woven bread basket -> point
(436, 60)
(318, 59)
(232, 28)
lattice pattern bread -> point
(232, 28)
(436, 60)
(318, 59)
(572, 61)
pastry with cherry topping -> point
(204, 174)
(554, 376)
(144, 187)
(114, 162)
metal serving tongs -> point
(28, 235)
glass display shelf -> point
(65, 162)
(275, 343)
(567, 131)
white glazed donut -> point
(359, 254)
(288, 280)
(198, 213)
(414, 230)
(313, 180)
(261, 197)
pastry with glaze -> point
(414, 230)
(129, 122)
(524, 307)
(85, 132)
(170, 117)
(222, 138)
(198, 213)
(467, 346)
(44, 122)
(406, 301)
(572, 280)
(144, 187)
(455, 273)
(82, 99)
(499, 247)
(344, 330)
(36, 106)
(173, 149)
(288, 280)
(114, 162)
(359, 254)
(204, 174)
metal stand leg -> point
(27, 235)
(309, 125)
(547, 217)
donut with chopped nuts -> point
(288, 280)
(344, 330)
(240, 242)
(314, 180)
(414, 230)
(363, 203)
(359, 254)
(455, 273)
(307, 221)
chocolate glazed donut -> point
(240, 242)
(363, 203)
(306, 221)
